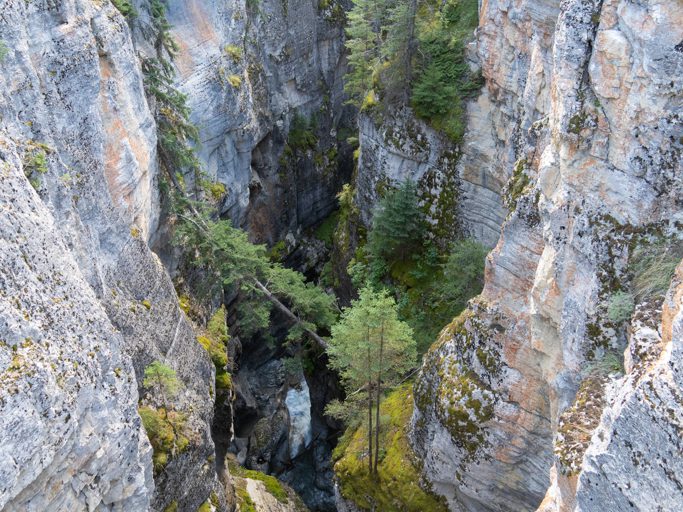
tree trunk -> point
(410, 47)
(370, 429)
(369, 403)
(288, 313)
(379, 396)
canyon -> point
(537, 397)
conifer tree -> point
(398, 225)
(372, 349)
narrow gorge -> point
(211, 209)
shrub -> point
(235, 81)
(125, 7)
(234, 52)
(620, 307)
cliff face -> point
(74, 111)
(582, 104)
(249, 70)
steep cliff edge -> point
(585, 101)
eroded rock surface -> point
(587, 97)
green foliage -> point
(205, 507)
(397, 484)
(172, 507)
(463, 274)
(363, 37)
(165, 430)
(620, 307)
(215, 343)
(4, 51)
(325, 230)
(652, 266)
(398, 225)
(162, 380)
(272, 484)
(235, 81)
(244, 501)
(301, 136)
(368, 326)
(234, 52)
(405, 48)
(125, 7)
(241, 264)
(444, 78)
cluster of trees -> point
(412, 52)
(408, 290)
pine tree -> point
(398, 225)
(246, 266)
(372, 349)
(364, 42)
(162, 380)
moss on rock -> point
(398, 484)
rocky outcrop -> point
(399, 147)
(71, 436)
(584, 99)
(73, 105)
(251, 70)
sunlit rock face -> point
(70, 436)
(74, 112)
(513, 412)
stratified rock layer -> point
(585, 100)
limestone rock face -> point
(71, 438)
(516, 405)
(249, 72)
(72, 105)
(401, 147)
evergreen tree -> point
(364, 42)
(239, 263)
(371, 348)
(398, 225)
(162, 380)
(463, 274)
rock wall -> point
(584, 99)
(73, 106)
(249, 69)
(71, 436)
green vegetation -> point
(371, 348)
(620, 307)
(398, 226)
(215, 342)
(172, 507)
(432, 286)
(325, 230)
(652, 266)
(413, 52)
(301, 136)
(164, 427)
(246, 266)
(125, 7)
(4, 51)
(234, 52)
(35, 162)
(166, 434)
(235, 81)
(396, 487)
(273, 485)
